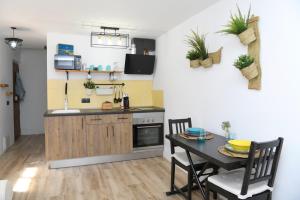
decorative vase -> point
(250, 72)
(195, 63)
(216, 56)
(248, 36)
(89, 92)
(207, 62)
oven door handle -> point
(157, 126)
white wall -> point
(33, 70)
(220, 93)
(6, 111)
(90, 56)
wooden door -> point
(16, 104)
(98, 139)
(121, 138)
(65, 137)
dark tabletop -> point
(209, 151)
(95, 111)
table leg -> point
(195, 173)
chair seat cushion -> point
(6, 192)
(232, 181)
(182, 157)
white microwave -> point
(67, 62)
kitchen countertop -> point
(95, 111)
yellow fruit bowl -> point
(240, 145)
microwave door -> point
(64, 62)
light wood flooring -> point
(24, 163)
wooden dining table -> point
(209, 151)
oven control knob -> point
(148, 120)
(152, 120)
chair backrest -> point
(178, 126)
(262, 163)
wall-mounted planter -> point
(195, 63)
(248, 36)
(250, 72)
(208, 62)
(216, 56)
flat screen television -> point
(139, 64)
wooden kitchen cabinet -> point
(121, 140)
(98, 141)
(65, 137)
(91, 135)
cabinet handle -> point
(107, 131)
(96, 119)
(82, 123)
(122, 118)
(113, 129)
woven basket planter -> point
(216, 56)
(195, 63)
(207, 62)
(250, 72)
(247, 37)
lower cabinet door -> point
(121, 138)
(65, 137)
(98, 140)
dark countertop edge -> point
(91, 111)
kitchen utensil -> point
(115, 99)
(240, 145)
(119, 99)
(228, 147)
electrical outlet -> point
(85, 100)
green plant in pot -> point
(89, 86)
(197, 43)
(194, 57)
(239, 25)
(247, 66)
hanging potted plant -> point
(247, 66)
(197, 42)
(193, 56)
(239, 25)
(89, 86)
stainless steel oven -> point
(148, 130)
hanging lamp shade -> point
(14, 42)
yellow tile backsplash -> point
(140, 92)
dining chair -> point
(177, 126)
(256, 180)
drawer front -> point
(98, 119)
(121, 118)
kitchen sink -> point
(65, 111)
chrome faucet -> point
(66, 102)
(66, 96)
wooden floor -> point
(25, 166)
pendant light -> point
(13, 42)
(110, 39)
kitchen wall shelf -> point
(4, 85)
(86, 71)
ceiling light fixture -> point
(110, 39)
(13, 42)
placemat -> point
(225, 152)
(208, 136)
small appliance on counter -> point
(125, 101)
(67, 62)
(107, 105)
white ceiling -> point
(144, 18)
